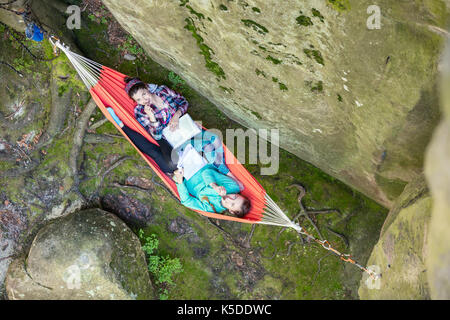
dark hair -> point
(245, 208)
(136, 87)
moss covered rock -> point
(90, 254)
(400, 252)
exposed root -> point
(98, 124)
(78, 137)
(112, 167)
(302, 208)
(343, 237)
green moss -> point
(391, 187)
(274, 79)
(6, 165)
(339, 97)
(255, 9)
(273, 60)
(256, 114)
(227, 90)
(262, 48)
(255, 26)
(314, 54)
(259, 72)
(204, 50)
(282, 86)
(199, 15)
(304, 20)
(223, 7)
(340, 5)
(316, 13)
(318, 87)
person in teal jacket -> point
(211, 191)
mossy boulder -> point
(400, 252)
(368, 122)
(90, 254)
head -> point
(137, 90)
(236, 204)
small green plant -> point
(161, 268)
(177, 82)
(22, 65)
(132, 47)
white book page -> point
(186, 130)
(191, 161)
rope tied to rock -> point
(343, 256)
(325, 243)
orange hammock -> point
(110, 92)
(107, 88)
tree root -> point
(303, 211)
(164, 187)
(98, 124)
(98, 138)
(112, 167)
(78, 137)
(343, 237)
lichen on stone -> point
(255, 26)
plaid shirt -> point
(173, 101)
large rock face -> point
(400, 253)
(358, 103)
(437, 170)
(90, 254)
(413, 253)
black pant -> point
(161, 154)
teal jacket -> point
(193, 190)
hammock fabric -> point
(107, 89)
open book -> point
(186, 130)
(191, 161)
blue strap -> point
(114, 116)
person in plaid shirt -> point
(158, 107)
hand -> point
(151, 114)
(178, 176)
(221, 191)
(173, 124)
